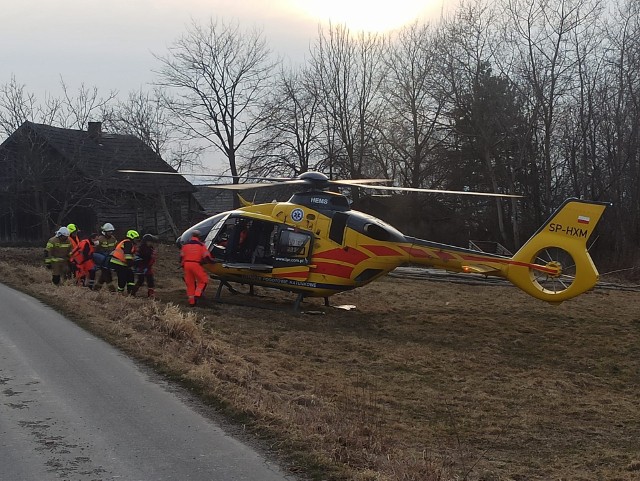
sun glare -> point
(367, 15)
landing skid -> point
(222, 284)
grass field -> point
(423, 381)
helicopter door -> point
(292, 253)
(246, 243)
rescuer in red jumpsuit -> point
(192, 255)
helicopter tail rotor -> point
(554, 265)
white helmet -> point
(107, 227)
(62, 231)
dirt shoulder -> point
(424, 380)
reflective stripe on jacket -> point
(123, 253)
(106, 244)
(57, 250)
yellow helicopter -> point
(315, 245)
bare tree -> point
(618, 141)
(145, 115)
(17, 105)
(76, 110)
(218, 75)
(412, 126)
(289, 143)
(538, 33)
(349, 73)
(483, 111)
(580, 127)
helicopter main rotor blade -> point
(271, 180)
(313, 179)
(158, 172)
(292, 182)
(434, 191)
(194, 174)
(257, 185)
(359, 181)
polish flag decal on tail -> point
(583, 219)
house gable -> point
(52, 176)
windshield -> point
(205, 227)
(215, 229)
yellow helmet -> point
(133, 234)
(72, 228)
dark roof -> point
(100, 155)
(214, 201)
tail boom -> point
(533, 268)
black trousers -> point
(125, 277)
(151, 282)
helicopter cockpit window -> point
(381, 232)
(376, 232)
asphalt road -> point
(74, 408)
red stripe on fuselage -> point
(331, 269)
(382, 251)
(445, 256)
(347, 254)
(417, 252)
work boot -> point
(151, 293)
(134, 290)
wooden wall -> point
(148, 214)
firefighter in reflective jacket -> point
(106, 243)
(192, 255)
(122, 261)
(74, 240)
(56, 254)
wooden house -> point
(51, 176)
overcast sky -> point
(110, 44)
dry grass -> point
(425, 381)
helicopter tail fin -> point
(554, 264)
